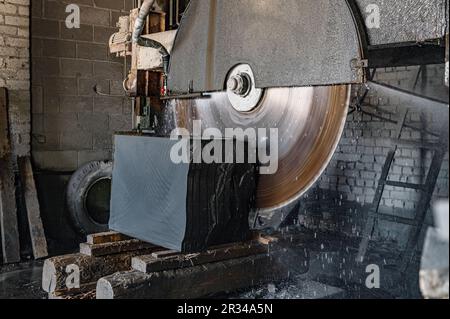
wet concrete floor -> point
(21, 281)
(332, 274)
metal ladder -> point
(426, 190)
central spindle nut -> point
(239, 84)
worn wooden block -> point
(194, 282)
(37, 234)
(165, 254)
(98, 250)
(8, 214)
(266, 240)
(5, 145)
(104, 254)
(86, 291)
(57, 270)
(8, 210)
(154, 263)
(224, 269)
(107, 237)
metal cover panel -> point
(147, 189)
(287, 43)
(406, 20)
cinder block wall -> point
(14, 69)
(71, 124)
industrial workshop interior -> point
(250, 152)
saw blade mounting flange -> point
(241, 90)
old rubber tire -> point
(80, 184)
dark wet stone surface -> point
(21, 281)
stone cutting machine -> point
(284, 64)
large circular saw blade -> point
(310, 122)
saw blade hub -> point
(240, 84)
(241, 90)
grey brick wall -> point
(71, 125)
(14, 69)
(356, 167)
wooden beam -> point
(98, 250)
(205, 274)
(107, 237)
(266, 240)
(8, 210)
(8, 214)
(151, 263)
(165, 254)
(84, 292)
(37, 234)
(58, 269)
(5, 145)
(194, 282)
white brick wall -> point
(15, 69)
(356, 167)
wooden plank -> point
(5, 145)
(84, 292)
(8, 214)
(152, 263)
(89, 295)
(203, 280)
(106, 237)
(99, 250)
(37, 234)
(193, 282)
(284, 257)
(165, 254)
(266, 240)
(57, 270)
(8, 210)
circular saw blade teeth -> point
(310, 122)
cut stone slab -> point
(186, 207)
